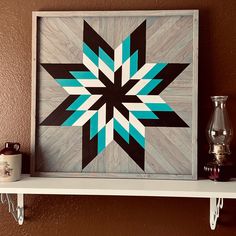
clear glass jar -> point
(219, 130)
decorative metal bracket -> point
(17, 212)
(215, 205)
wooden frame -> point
(36, 16)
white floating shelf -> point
(121, 187)
(215, 191)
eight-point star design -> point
(114, 94)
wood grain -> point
(170, 152)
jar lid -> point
(10, 149)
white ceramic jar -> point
(10, 162)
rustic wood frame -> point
(35, 32)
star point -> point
(114, 94)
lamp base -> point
(218, 171)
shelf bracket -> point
(215, 205)
(17, 212)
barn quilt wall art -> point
(115, 94)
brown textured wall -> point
(73, 215)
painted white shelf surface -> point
(121, 187)
(215, 191)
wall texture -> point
(60, 215)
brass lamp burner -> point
(220, 152)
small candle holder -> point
(219, 134)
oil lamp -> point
(219, 134)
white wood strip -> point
(90, 65)
(114, 13)
(76, 90)
(118, 57)
(121, 187)
(109, 131)
(121, 119)
(89, 102)
(106, 70)
(151, 99)
(136, 106)
(138, 86)
(143, 71)
(101, 117)
(33, 90)
(137, 124)
(125, 72)
(91, 82)
(84, 118)
(195, 93)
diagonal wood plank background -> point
(168, 152)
